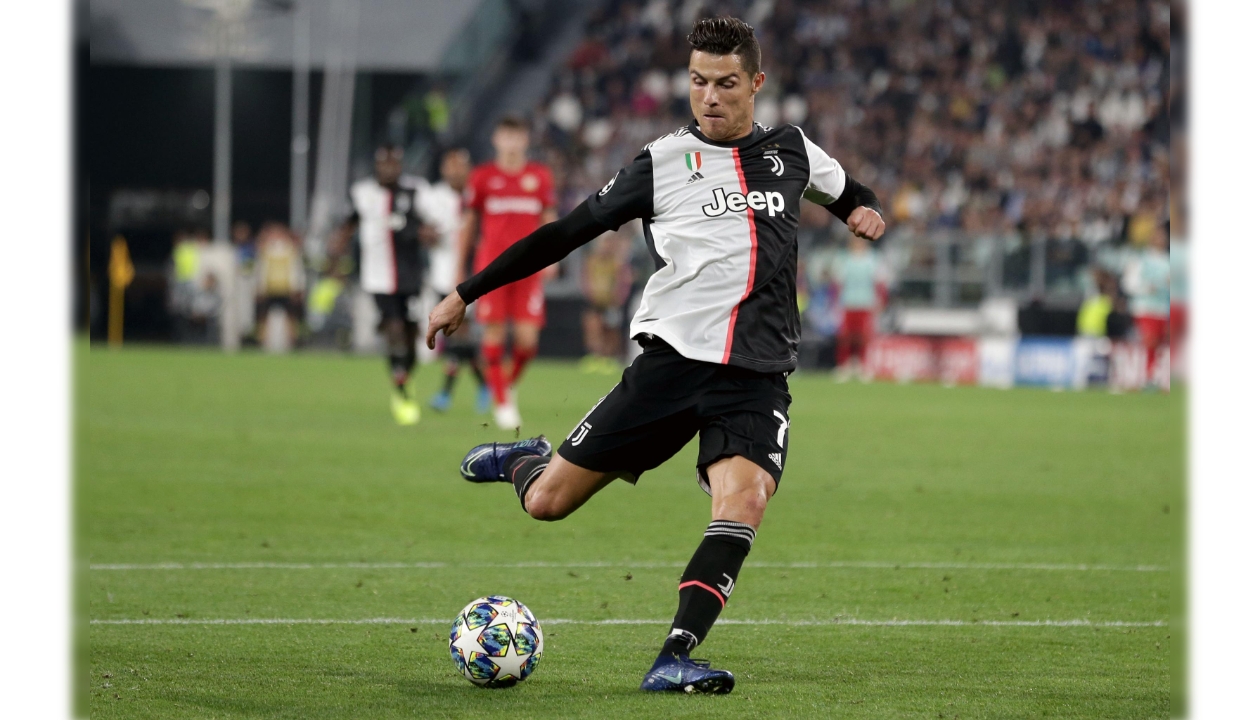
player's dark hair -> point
(727, 35)
(389, 148)
(512, 122)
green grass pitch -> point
(914, 504)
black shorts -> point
(397, 307)
(665, 399)
(284, 302)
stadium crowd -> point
(1003, 122)
(964, 114)
(1006, 124)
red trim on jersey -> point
(706, 587)
(389, 235)
(752, 261)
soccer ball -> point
(496, 642)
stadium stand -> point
(1016, 128)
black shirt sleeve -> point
(854, 196)
(547, 245)
(627, 196)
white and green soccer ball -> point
(496, 642)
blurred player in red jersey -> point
(507, 199)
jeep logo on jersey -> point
(723, 202)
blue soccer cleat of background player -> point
(487, 463)
(679, 673)
(441, 401)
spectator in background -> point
(1146, 280)
(1091, 319)
(188, 280)
(606, 280)
(205, 310)
(243, 243)
(437, 111)
(861, 294)
(280, 279)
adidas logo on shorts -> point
(777, 459)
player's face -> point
(388, 166)
(455, 169)
(510, 142)
(722, 95)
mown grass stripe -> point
(894, 622)
(856, 564)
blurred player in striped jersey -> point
(444, 203)
(393, 239)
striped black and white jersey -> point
(391, 259)
(720, 219)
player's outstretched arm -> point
(858, 207)
(545, 246)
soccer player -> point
(507, 199)
(1147, 281)
(442, 202)
(720, 203)
(860, 295)
(386, 211)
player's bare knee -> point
(545, 506)
(746, 507)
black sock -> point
(481, 377)
(707, 583)
(523, 470)
(452, 372)
(400, 371)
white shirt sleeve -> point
(826, 177)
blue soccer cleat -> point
(679, 673)
(441, 401)
(487, 463)
(483, 400)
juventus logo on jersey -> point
(776, 164)
(784, 424)
(579, 433)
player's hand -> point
(866, 223)
(447, 316)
